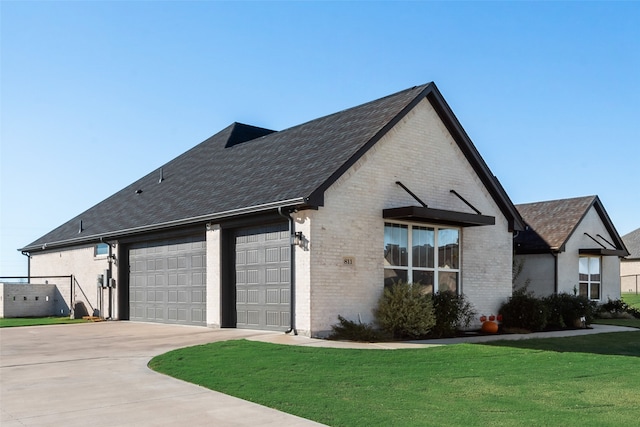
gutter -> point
(292, 271)
(175, 223)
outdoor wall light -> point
(298, 239)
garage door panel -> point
(167, 281)
(262, 273)
(197, 315)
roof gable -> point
(550, 224)
(244, 169)
(632, 242)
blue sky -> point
(94, 95)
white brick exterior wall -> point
(421, 154)
(214, 281)
(85, 267)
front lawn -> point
(561, 381)
(36, 321)
(632, 299)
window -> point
(589, 277)
(410, 255)
(101, 249)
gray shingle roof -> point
(245, 169)
(632, 242)
(551, 223)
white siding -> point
(538, 273)
(568, 260)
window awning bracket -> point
(404, 187)
(466, 202)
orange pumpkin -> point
(490, 327)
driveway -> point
(96, 374)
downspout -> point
(28, 255)
(109, 281)
(292, 272)
(555, 272)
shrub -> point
(453, 312)
(617, 309)
(524, 311)
(352, 331)
(405, 310)
(563, 310)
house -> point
(569, 246)
(630, 265)
(286, 230)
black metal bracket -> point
(589, 236)
(466, 202)
(411, 194)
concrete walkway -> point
(96, 375)
(311, 342)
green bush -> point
(352, 331)
(453, 313)
(564, 309)
(524, 311)
(617, 308)
(405, 310)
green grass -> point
(632, 299)
(566, 381)
(36, 321)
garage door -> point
(263, 286)
(167, 281)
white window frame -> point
(435, 269)
(101, 255)
(588, 282)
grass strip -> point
(566, 381)
(37, 321)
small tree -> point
(453, 312)
(405, 310)
(524, 311)
(563, 310)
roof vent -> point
(161, 176)
(138, 191)
(80, 227)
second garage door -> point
(263, 286)
(167, 281)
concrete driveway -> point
(96, 375)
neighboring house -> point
(630, 265)
(570, 246)
(285, 230)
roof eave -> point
(112, 235)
